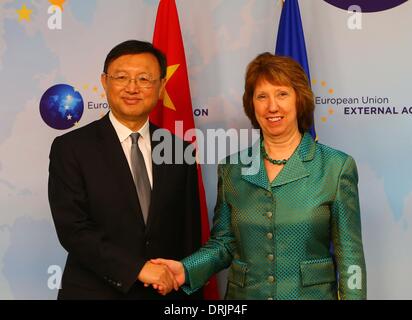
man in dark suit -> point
(111, 217)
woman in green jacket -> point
(291, 229)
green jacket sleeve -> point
(216, 254)
(347, 235)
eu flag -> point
(291, 40)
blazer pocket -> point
(237, 273)
(317, 271)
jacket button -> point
(269, 214)
(269, 235)
(270, 257)
(270, 298)
(271, 279)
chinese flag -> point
(177, 103)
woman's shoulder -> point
(244, 156)
(332, 154)
(242, 159)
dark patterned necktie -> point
(141, 179)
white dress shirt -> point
(145, 147)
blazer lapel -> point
(292, 171)
(295, 169)
(255, 172)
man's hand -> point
(159, 276)
(176, 267)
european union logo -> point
(366, 5)
(61, 107)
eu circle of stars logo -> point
(61, 107)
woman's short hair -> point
(284, 71)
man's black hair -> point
(136, 47)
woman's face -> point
(275, 109)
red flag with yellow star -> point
(177, 102)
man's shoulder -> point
(331, 153)
(84, 133)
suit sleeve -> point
(347, 235)
(78, 233)
(192, 212)
(216, 254)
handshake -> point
(163, 275)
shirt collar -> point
(124, 132)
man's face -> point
(129, 102)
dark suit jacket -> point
(98, 220)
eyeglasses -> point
(143, 80)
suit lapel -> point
(253, 174)
(292, 171)
(295, 168)
(113, 154)
(158, 171)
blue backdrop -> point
(360, 65)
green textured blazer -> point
(298, 237)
